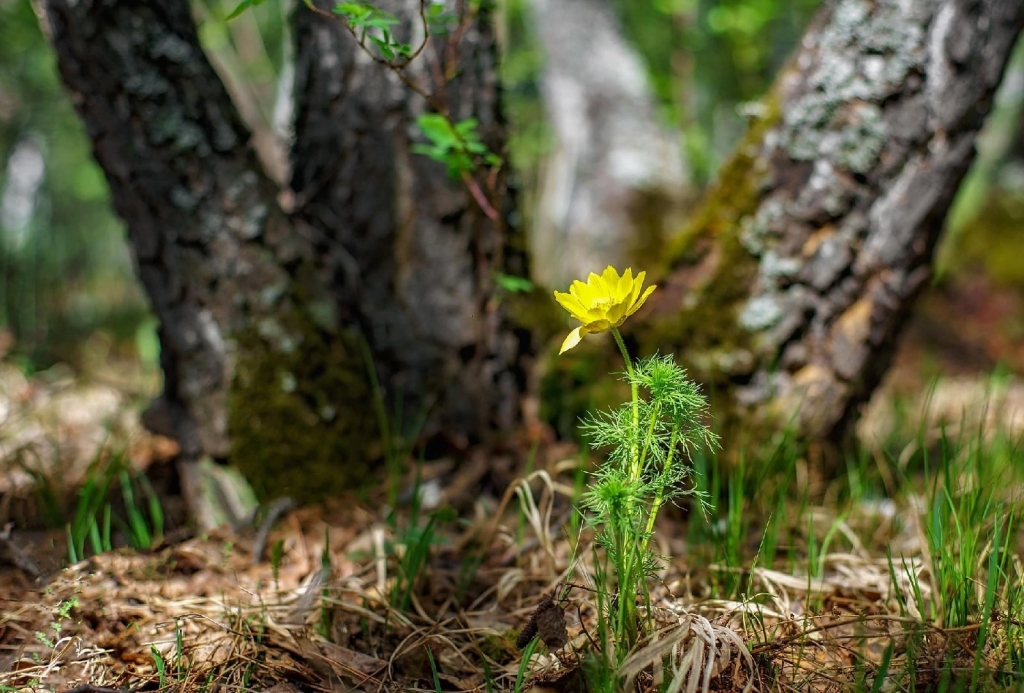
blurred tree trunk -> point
(985, 237)
(788, 288)
(615, 177)
(266, 297)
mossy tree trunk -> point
(265, 310)
(787, 291)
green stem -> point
(628, 582)
(634, 464)
(655, 416)
(660, 497)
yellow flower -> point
(602, 303)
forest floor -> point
(906, 573)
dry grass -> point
(216, 620)
(827, 612)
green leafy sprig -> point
(648, 441)
(456, 144)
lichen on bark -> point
(786, 292)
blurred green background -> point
(65, 270)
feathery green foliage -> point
(649, 442)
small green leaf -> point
(439, 21)
(437, 129)
(352, 10)
(467, 127)
(384, 47)
(243, 6)
(430, 151)
(382, 19)
(513, 284)
(459, 164)
(453, 145)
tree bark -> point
(414, 253)
(790, 286)
(263, 312)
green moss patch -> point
(301, 413)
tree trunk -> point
(413, 252)
(789, 287)
(264, 311)
(615, 177)
(985, 237)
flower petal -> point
(638, 284)
(579, 289)
(611, 278)
(636, 306)
(573, 305)
(615, 313)
(598, 291)
(625, 288)
(572, 340)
